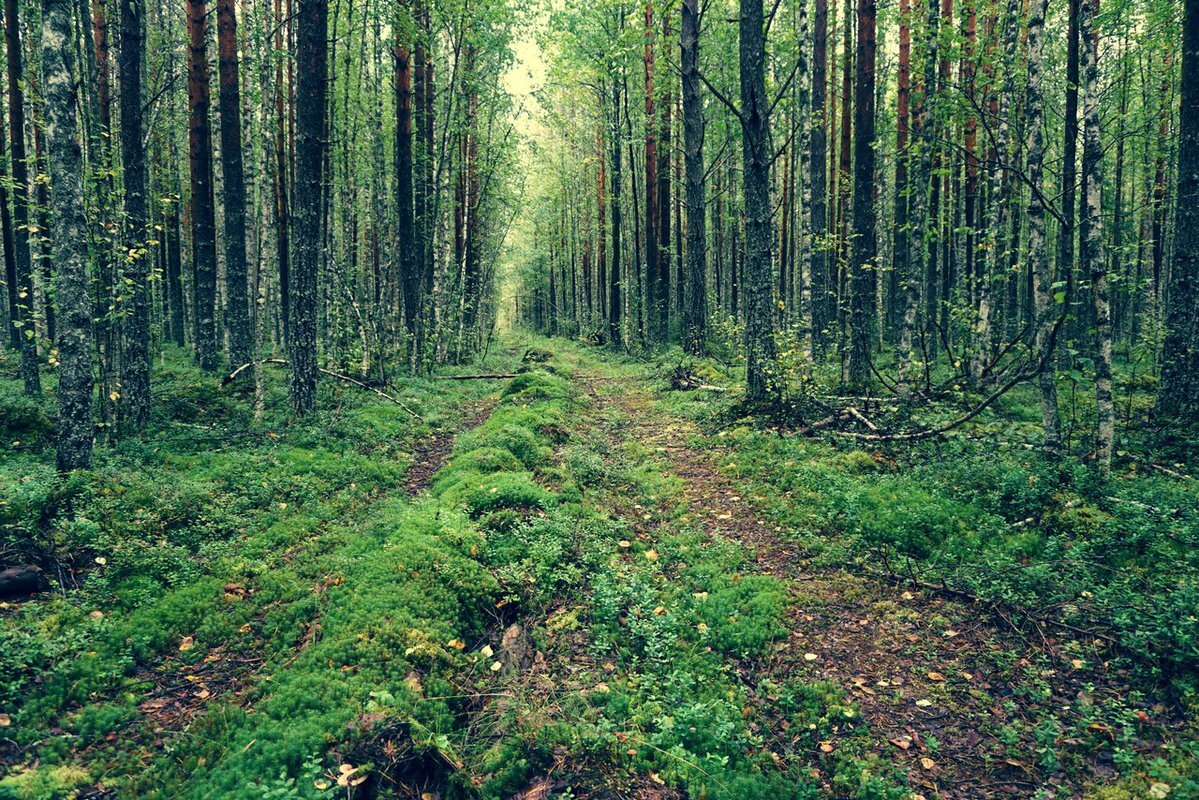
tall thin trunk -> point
(203, 214)
(655, 298)
(1091, 233)
(760, 349)
(1044, 306)
(1179, 396)
(817, 208)
(899, 259)
(1065, 262)
(862, 261)
(22, 317)
(241, 336)
(76, 431)
(665, 162)
(312, 58)
(614, 277)
(695, 312)
(407, 255)
(135, 367)
(10, 261)
(282, 169)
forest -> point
(562, 400)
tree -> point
(203, 214)
(241, 339)
(760, 348)
(21, 313)
(1043, 302)
(1091, 232)
(59, 79)
(818, 208)
(1179, 395)
(135, 367)
(312, 63)
(695, 311)
(407, 247)
(864, 254)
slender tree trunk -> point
(614, 277)
(817, 180)
(19, 168)
(1179, 396)
(1044, 306)
(899, 259)
(761, 356)
(282, 169)
(76, 431)
(1066, 267)
(862, 262)
(135, 367)
(312, 59)
(407, 255)
(241, 336)
(10, 261)
(1091, 232)
(655, 298)
(665, 160)
(203, 215)
(695, 312)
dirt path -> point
(949, 691)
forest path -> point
(949, 691)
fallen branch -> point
(232, 376)
(860, 417)
(995, 605)
(480, 377)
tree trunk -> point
(22, 316)
(312, 62)
(655, 298)
(695, 312)
(203, 214)
(1179, 396)
(1044, 305)
(761, 356)
(407, 256)
(10, 261)
(241, 337)
(282, 168)
(614, 277)
(59, 78)
(863, 259)
(817, 180)
(1065, 261)
(665, 161)
(1091, 233)
(135, 367)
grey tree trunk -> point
(695, 312)
(69, 232)
(22, 312)
(312, 61)
(1044, 307)
(203, 215)
(1179, 397)
(923, 183)
(135, 368)
(760, 348)
(1091, 232)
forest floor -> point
(575, 583)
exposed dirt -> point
(431, 452)
(952, 691)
